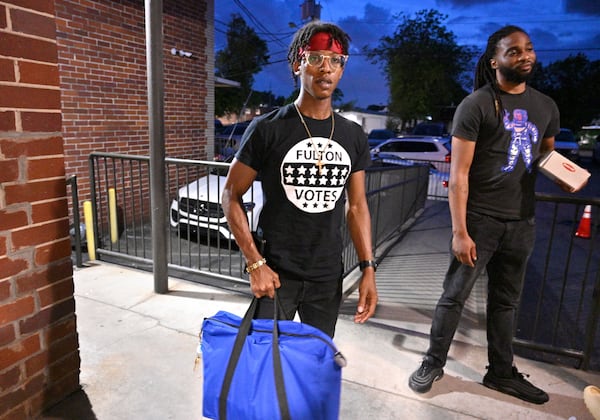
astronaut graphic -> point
(524, 135)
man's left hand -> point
(367, 297)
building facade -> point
(73, 81)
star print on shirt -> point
(313, 174)
(331, 175)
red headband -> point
(322, 41)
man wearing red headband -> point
(311, 163)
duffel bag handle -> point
(238, 345)
(278, 370)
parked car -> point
(434, 150)
(566, 144)
(197, 206)
(588, 136)
(218, 126)
(596, 152)
(379, 135)
(227, 142)
(437, 129)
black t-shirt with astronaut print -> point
(504, 167)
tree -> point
(574, 83)
(424, 67)
(244, 56)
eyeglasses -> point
(335, 61)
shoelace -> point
(425, 368)
(515, 373)
(522, 375)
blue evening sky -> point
(558, 28)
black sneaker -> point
(516, 385)
(422, 379)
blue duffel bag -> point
(268, 369)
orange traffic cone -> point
(585, 225)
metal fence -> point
(200, 244)
(439, 174)
(75, 228)
(560, 306)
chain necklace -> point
(310, 136)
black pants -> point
(317, 303)
(503, 249)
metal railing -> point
(439, 173)
(201, 248)
(75, 229)
(560, 305)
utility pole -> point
(310, 10)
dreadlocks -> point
(484, 72)
(303, 36)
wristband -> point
(255, 265)
(367, 263)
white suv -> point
(435, 150)
(198, 206)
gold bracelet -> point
(251, 267)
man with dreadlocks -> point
(499, 132)
(311, 161)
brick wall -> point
(102, 63)
(72, 81)
(39, 358)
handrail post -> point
(76, 221)
(590, 334)
(158, 202)
(93, 192)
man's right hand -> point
(264, 281)
(464, 249)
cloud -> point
(586, 7)
(555, 33)
(363, 81)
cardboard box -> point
(557, 167)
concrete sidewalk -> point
(138, 349)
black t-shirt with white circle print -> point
(303, 207)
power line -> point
(477, 21)
(257, 22)
(221, 22)
(232, 76)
